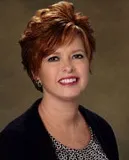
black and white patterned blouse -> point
(93, 151)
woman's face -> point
(70, 63)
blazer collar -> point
(41, 145)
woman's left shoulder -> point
(95, 120)
(103, 131)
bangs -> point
(63, 36)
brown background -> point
(108, 90)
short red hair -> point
(48, 29)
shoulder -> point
(99, 125)
(11, 138)
(94, 119)
(14, 128)
(103, 131)
(14, 135)
(19, 124)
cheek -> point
(85, 74)
(84, 69)
(48, 74)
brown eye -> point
(54, 58)
(78, 56)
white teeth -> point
(68, 80)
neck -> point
(57, 112)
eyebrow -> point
(77, 50)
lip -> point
(69, 77)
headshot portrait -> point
(62, 92)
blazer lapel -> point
(37, 136)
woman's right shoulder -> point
(14, 129)
(12, 139)
(20, 125)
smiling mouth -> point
(71, 81)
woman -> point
(57, 47)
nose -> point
(67, 66)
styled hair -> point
(48, 29)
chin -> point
(70, 96)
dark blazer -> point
(26, 138)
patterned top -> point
(93, 151)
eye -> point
(79, 56)
(54, 58)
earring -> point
(39, 84)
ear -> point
(35, 76)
